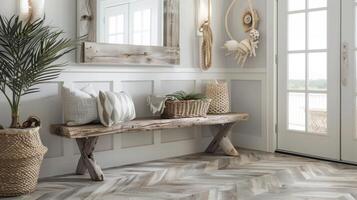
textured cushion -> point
(80, 106)
(114, 108)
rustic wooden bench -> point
(87, 136)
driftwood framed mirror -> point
(129, 31)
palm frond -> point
(29, 56)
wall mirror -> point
(129, 31)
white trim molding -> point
(271, 74)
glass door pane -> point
(307, 65)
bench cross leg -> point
(86, 162)
(222, 140)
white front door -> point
(309, 77)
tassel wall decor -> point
(207, 42)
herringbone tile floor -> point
(253, 175)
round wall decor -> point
(245, 48)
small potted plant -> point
(28, 55)
(183, 105)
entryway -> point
(317, 78)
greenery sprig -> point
(182, 96)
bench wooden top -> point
(148, 124)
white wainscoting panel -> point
(47, 106)
(245, 100)
(249, 95)
(209, 132)
(138, 139)
(175, 135)
(247, 87)
(171, 86)
(105, 143)
(139, 91)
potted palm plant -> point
(29, 53)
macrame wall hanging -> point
(245, 48)
(207, 43)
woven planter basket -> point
(21, 156)
(219, 94)
(186, 109)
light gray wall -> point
(141, 81)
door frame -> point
(272, 74)
(348, 84)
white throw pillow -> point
(114, 108)
(80, 106)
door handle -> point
(344, 64)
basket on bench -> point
(186, 108)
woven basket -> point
(219, 94)
(21, 156)
(186, 109)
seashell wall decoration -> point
(250, 20)
(247, 47)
